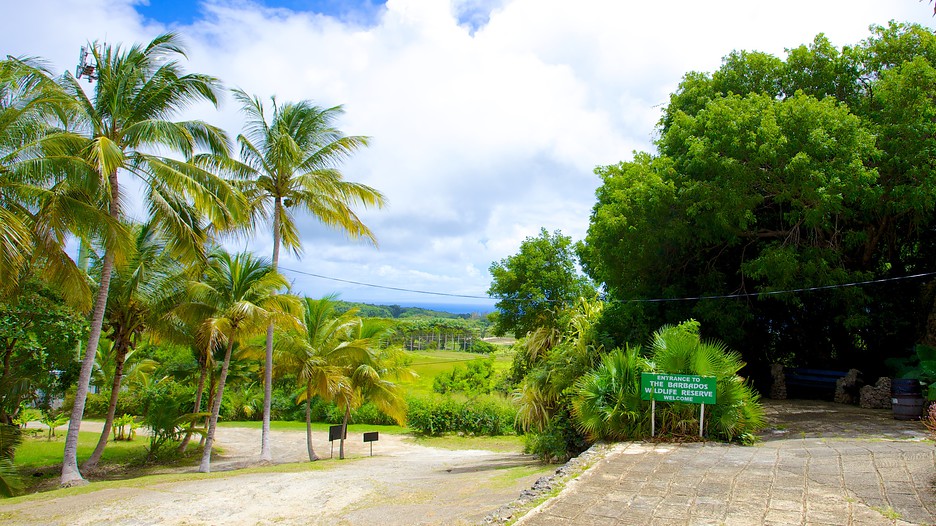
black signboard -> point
(370, 437)
(334, 433)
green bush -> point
(490, 416)
(476, 378)
(96, 404)
(558, 441)
(480, 346)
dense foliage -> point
(490, 416)
(775, 175)
(536, 284)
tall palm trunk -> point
(71, 476)
(308, 414)
(205, 466)
(212, 390)
(344, 431)
(119, 360)
(265, 454)
(199, 391)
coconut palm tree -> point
(237, 298)
(125, 119)
(318, 354)
(143, 287)
(370, 377)
(42, 192)
(290, 163)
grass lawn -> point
(38, 452)
(429, 364)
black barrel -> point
(907, 401)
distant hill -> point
(369, 310)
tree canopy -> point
(535, 284)
(803, 174)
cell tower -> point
(85, 67)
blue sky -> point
(184, 12)
(486, 117)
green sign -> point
(677, 388)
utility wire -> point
(636, 300)
(777, 292)
(385, 286)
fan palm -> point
(607, 403)
(237, 298)
(290, 162)
(138, 91)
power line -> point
(648, 300)
(778, 292)
(448, 294)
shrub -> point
(608, 406)
(558, 441)
(476, 378)
(490, 416)
(480, 346)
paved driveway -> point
(819, 463)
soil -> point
(402, 483)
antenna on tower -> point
(86, 68)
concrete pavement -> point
(818, 464)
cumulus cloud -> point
(486, 116)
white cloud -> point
(486, 116)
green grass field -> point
(429, 364)
(38, 452)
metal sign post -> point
(371, 437)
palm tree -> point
(370, 376)
(41, 199)
(290, 162)
(237, 297)
(138, 91)
(317, 352)
(142, 289)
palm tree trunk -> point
(344, 431)
(205, 466)
(199, 391)
(212, 390)
(266, 454)
(308, 414)
(119, 359)
(71, 476)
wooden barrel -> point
(907, 401)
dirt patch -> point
(402, 483)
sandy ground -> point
(402, 483)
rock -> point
(778, 386)
(877, 396)
(848, 387)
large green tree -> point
(124, 120)
(772, 175)
(536, 284)
(290, 164)
(38, 336)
